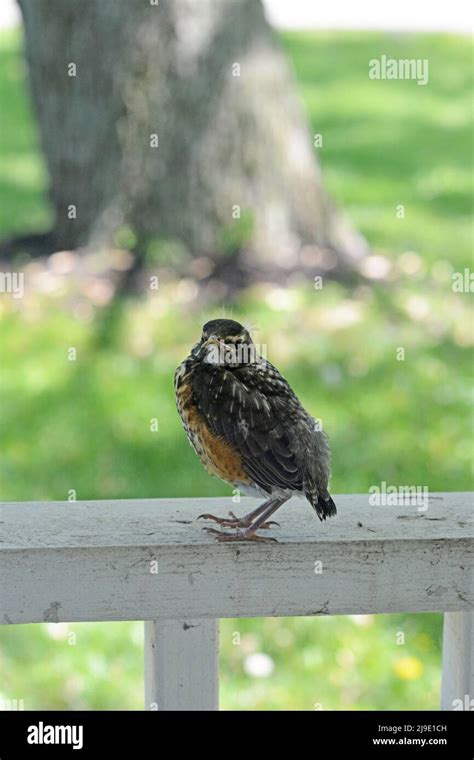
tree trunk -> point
(180, 120)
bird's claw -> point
(225, 521)
(241, 535)
(235, 522)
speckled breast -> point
(217, 455)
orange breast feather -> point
(217, 455)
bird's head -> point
(225, 342)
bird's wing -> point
(254, 409)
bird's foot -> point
(235, 522)
(227, 522)
(241, 535)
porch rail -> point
(150, 560)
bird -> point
(249, 429)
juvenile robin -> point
(248, 428)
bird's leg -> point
(241, 522)
(249, 532)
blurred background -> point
(232, 158)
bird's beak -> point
(213, 340)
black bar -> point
(137, 734)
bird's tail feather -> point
(325, 507)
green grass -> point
(389, 142)
(85, 425)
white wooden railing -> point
(150, 560)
